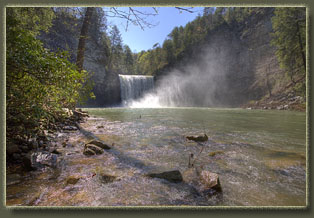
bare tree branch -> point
(186, 9)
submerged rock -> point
(171, 176)
(91, 149)
(99, 144)
(72, 180)
(214, 153)
(104, 178)
(201, 138)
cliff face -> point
(242, 64)
(106, 84)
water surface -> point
(260, 157)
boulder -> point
(204, 181)
(88, 152)
(42, 159)
(171, 176)
(94, 148)
(210, 180)
(99, 144)
(201, 138)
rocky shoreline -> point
(76, 142)
(279, 102)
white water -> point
(134, 86)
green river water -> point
(260, 159)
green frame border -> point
(245, 3)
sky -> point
(166, 20)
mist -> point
(203, 82)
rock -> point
(100, 127)
(213, 153)
(55, 151)
(107, 178)
(88, 152)
(99, 144)
(286, 107)
(69, 128)
(94, 148)
(203, 138)
(42, 158)
(171, 176)
(280, 107)
(12, 148)
(210, 181)
(72, 180)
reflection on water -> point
(259, 156)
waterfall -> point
(134, 86)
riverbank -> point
(280, 101)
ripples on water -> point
(260, 159)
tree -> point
(82, 39)
(115, 62)
(39, 83)
(288, 37)
(128, 59)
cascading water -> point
(134, 86)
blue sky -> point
(166, 20)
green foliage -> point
(33, 19)
(39, 83)
(289, 34)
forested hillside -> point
(261, 51)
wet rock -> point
(107, 178)
(88, 152)
(72, 180)
(91, 149)
(12, 148)
(171, 176)
(204, 181)
(210, 181)
(98, 144)
(202, 138)
(42, 158)
(69, 128)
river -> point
(259, 155)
